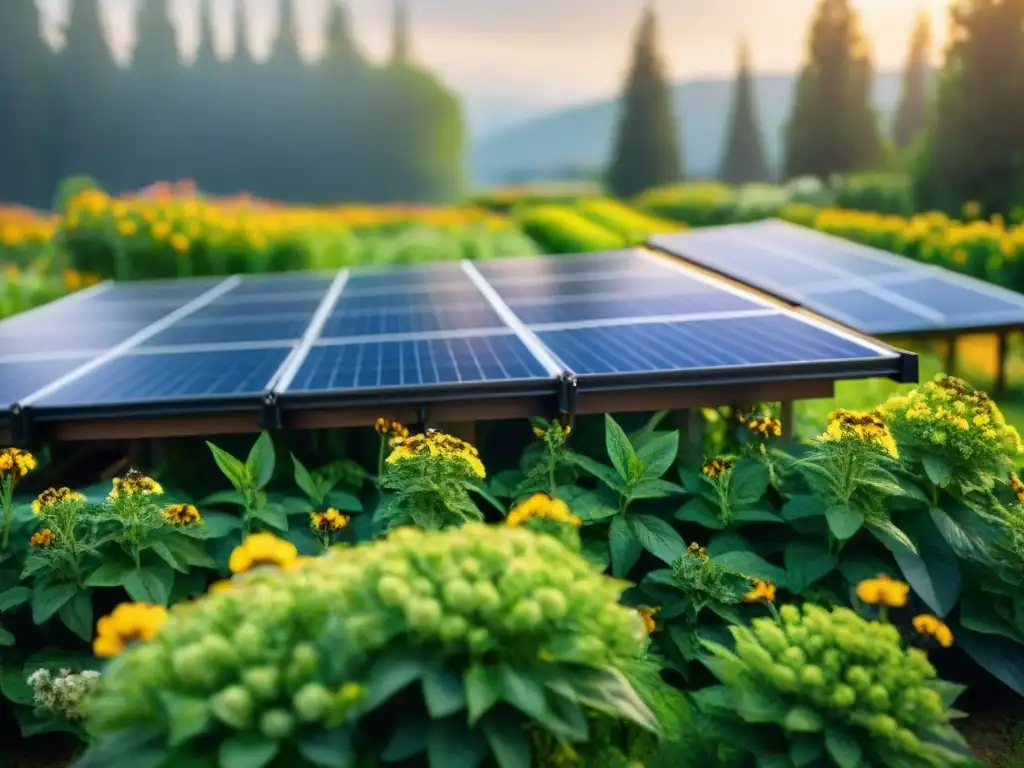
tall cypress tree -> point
(26, 98)
(401, 51)
(291, 104)
(87, 83)
(743, 160)
(975, 150)
(155, 97)
(209, 111)
(912, 113)
(646, 152)
(833, 127)
(242, 82)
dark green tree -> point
(912, 113)
(242, 88)
(156, 94)
(208, 105)
(744, 160)
(401, 52)
(646, 151)
(289, 107)
(975, 147)
(833, 128)
(88, 80)
(26, 99)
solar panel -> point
(868, 289)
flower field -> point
(602, 601)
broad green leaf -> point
(655, 489)
(934, 572)
(748, 482)
(759, 705)
(14, 597)
(605, 474)
(803, 719)
(450, 744)
(188, 552)
(483, 689)
(648, 431)
(659, 454)
(857, 566)
(998, 656)
(111, 573)
(186, 718)
(892, 537)
(160, 548)
(221, 499)
(233, 469)
(977, 615)
(658, 537)
(608, 691)
(305, 481)
(757, 514)
(48, 597)
(408, 740)
(523, 692)
(593, 506)
(76, 614)
(273, 515)
(508, 743)
(963, 543)
(805, 749)
(597, 553)
(150, 584)
(624, 546)
(754, 566)
(219, 524)
(442, 692)
(937, 469)
(801, 507)
(6, 638)
(844, 521)
(619, 449)
(390, 674)
(698, 511)
(259, 466)
(344, 501)
(329, 749)
(247, 751)
(806, 563)
(843, 747)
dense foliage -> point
(744, 158)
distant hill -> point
(579, 138)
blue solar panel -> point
(741, 341)
(426, 297)
(155, 377)
(56, 338)
(867, 313)
(270, 306)
(170, 291)
(837, 253)
(19, 380)
(279, 284)
(436, 275)
(269, 328)
(614, 285)
(625, 307)
(411, 363)
(391, 320)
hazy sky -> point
(555, 52)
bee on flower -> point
(181, 514)
(53, 497)
(864, 428)
(134, 483)
(717, 468)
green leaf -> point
(806, 563)
(508, 743)
(748, 482)
(329, 749)
(391, 673)
(659, 454)
(608, 691)
(247, 751)
(937, 468)
(523, 692)
(111, 573)
(843, 747)
(891, 536)
(752, 565)
(6, 638)
(802, 507)
(700, 512)
(592, 506)
(648, 431)
(188, 552)
(844, 521)
(442, 692)
(232, 468)
(999, 657)
(804, 749)
(76, 614)
(217, 525)
(483, 690)
(408, 740)
(259, 466)
(624, 547)
(655, 489)
(934, 572)
(306, 482)
(757, 514)
(273, 515)
(48, 598)
(450, 744)
(167, 556)
(618, 446)
(344, 501)
(14, 597)
(964, 544)
(151, 584)
(759, 705)
(976, 614)
(803, 720)
(221, 499)
(186, 718)
(658, 537)
(604, 473)
(857, 566)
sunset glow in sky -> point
(558, 51)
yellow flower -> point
(717, 467)
(180, 242)
(128, 623)
(695, 549)
(263, 550)
(223, 585)
(865, 427)
(135, 483)
(127, 228)
(382, 425)
(763, 591)
(882, 590)
(16, 463)
(647, 614)
(931, 626)
(540, 506)
(765, 427)
(51, 497)
(181, 514)
(43, 538)
(330, 520)
(406, 447)
(539, 433)
(1017, 487)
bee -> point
(134, 474)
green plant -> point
(249, 479)
(559, 229)
(465, 645)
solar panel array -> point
(506, 327)
(872, 291)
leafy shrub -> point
(558, 229)
(882, 193)
(635, 227)
(462, 643)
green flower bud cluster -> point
(282, 651)
(848, 669)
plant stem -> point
(8, 511)
(551, 472)
(380, 461)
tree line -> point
(961, 141)
(336, 129)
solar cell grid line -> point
(551, 363)
(284, 375)
(135, 340)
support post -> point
(950, 365)
(786, 416)
(692, 425)
(1002, 348)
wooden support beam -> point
(1002, 350)
(950, 361)
(691, 424)
(786, 416)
